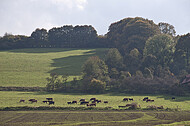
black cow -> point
(44, 101)
(84, 102)
(145, 98)
(69, 102)
(74, 102)
(125, 99)
(105, 101)
(49, 99)
(130, 99)
(92, 99)
(51, 102)
(22, 100)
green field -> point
(12, 98)
(31, 67)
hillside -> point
(30, 67)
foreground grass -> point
(12, 98)
(111, 118)
(31, 67)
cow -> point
(92, 99)
(94, 104)
(69, 102)
(173, 98)
(125, 99)
(32, 100)
(149, 100)
(51, 102)
(49, 99)
(84, 102)
(105, 101)
(44, 101)
(98, 101)
(22, 100)
(74, 102)
(130, 99)
(122, 106)
(145, 98)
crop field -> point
(12, 98)
(31, 67)
(84, 118)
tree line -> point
(140, 52)
(143, 58)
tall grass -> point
(30, 67)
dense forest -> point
(143, 57)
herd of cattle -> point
(48, 100)
(94, 101)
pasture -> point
(31, 67)
(12, 98)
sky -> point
(22, 17)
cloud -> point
(70, 4)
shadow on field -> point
(41, 50)
(72, 65)
(177, 98)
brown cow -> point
(33, 100)
(94, 104)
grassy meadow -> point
(12, 98)
(31, 67)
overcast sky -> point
(24, 16)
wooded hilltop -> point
(143, 57)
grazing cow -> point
(122, 106)
(98, 101)
(173, 98)
(125, 99)
(94, 104)
(69, 102)
(31, 99)
(84, 102)
(105, 101)
(22, 100)
(34, 101)
(44, 101)
(74, 102)
(51, 102)
(130, 99)
(92, 99)
(145, 98)
(149, 100)
(49, 99)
